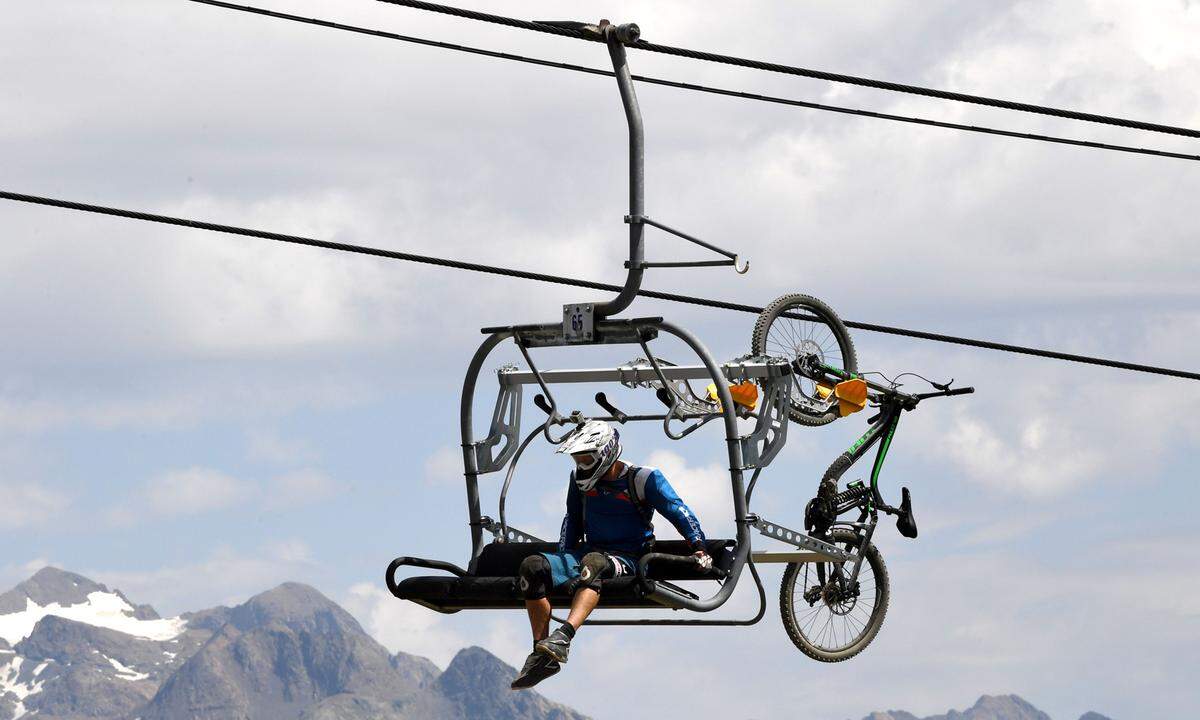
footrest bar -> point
(800, 540)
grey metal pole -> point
(470, 462)
(734, 447)
(616, 37)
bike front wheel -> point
(826, 617)
(796, 325)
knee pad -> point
(594, 567)
(534, 575)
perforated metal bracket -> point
(799, 539)
(506, 426)
(506, 535)
(761, 446)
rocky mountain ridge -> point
(71, 649)
(988, 707)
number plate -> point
(578, 325)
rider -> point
(610, 505)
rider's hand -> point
(703, 559)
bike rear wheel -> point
(796, 325)
(826, 621)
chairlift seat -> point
(493, 585)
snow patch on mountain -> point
(102, 609)
(10, 673)
(126, 673)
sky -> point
(194, 418)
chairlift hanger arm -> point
(741, 267)
(616, 37)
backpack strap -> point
(583, 538)
(637, 484)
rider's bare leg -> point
(582, 605)
(539, 617)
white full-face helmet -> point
(595, 445)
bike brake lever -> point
(942, 387)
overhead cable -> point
(695, 87)
(555, 29)
(577, 282)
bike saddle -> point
(906, 523)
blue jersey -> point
(618, 515)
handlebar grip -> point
(960, 391)
(602, 401)
(540, 401)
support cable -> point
(577, 282)
(695, 87)
(543, 27)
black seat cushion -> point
(494, 584)
(503, 559)
(448, 593)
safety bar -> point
(421, 563)
(668, 558)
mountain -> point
(279, 653)
(476, 683)
(75, 649)
(988, 707)
(71, 649)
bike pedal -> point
(906, 523)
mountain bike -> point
(833, 610)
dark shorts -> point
(564, 566)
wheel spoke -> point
(841, 620)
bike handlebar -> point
(945, 393)
(810, 367)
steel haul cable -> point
(543, 27)
(577, 282)
(695, 87)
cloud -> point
(444, 467)
(226, 576)
(403, 626)
(299, 488)
(193, 491)
(1040, 441)
(1020, 464)
(268, 446)
(12, 573)
(705, 489)
(29, 504)
(157, 399)
(200, 490)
